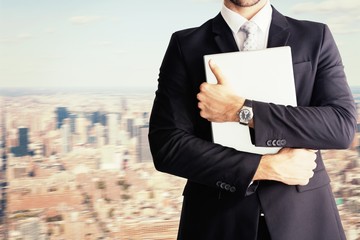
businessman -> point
(235, 195)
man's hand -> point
(218, 102)
(290, 166)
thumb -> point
(217, 72)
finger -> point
(313, 150)
(203, 114)
(204, 87)
(217, 72)
(314, 165)
(201, 106)
(199, 97)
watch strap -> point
(248, 103)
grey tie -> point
(250, 29)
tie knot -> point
(249, 28)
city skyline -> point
(87, 171)
(120, 44)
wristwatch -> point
(246, 113)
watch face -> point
(245, 115)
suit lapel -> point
(223, 35)
(278, 36)
(279, 31)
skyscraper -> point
(143, 148)
(66, 137)
(81, 129)
(22, 149)
(72, 118)
(113, 128)
(61, 114)
(130, 127)
(99, 133)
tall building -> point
(99, 133)
(143, 148)
(112, 128)
(103, 119)
(66, 137)
(61, 114)
(72, 118)
(3, 175)
(81, 130)
(95, 117)
(98, 117)
(22, 148)
(130, 127)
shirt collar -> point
(235, 20)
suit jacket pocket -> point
(319, 179)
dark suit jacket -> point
(215, 202)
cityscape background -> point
(77, 81)
(77, 166)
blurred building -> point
(112, 128)
(143, 148)
(66, 142)
(22, 148)
(111, 158)
(61, 114)
(81, 130)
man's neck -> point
(246, 12)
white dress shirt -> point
(262, 19)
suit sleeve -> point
(174, 144)
(328, 122)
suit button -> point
(269, 143)
(227, 187)
(274, 143)
(222, 185)
(278, 143)
(283, 142)
(218, 183)
(233, 189)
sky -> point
(120, 44)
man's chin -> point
(244, 3)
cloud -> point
(102, 43)
(7, 40)
(343, 25)
(24, 36)
(339, 28)
(16, 39)
(327, 6)
(206, 1)
(81, 20)
(50, 30)
(121, 52)
(345, 17)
